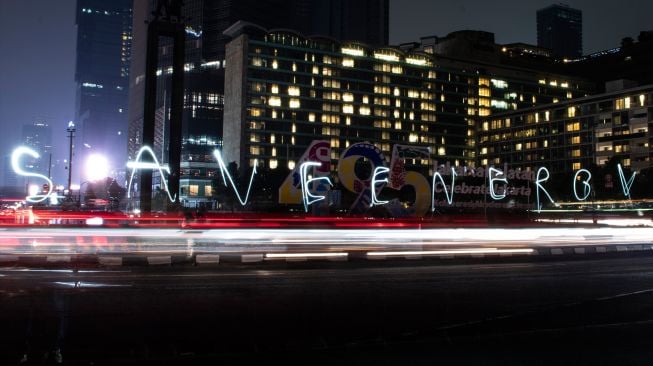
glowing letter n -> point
(449, 195)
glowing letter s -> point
(15, 164)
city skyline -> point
(33, 90)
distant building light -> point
(211, 64)
(386, 57)
(92, 85)
(352, 51)
(417, 61)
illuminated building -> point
(560, 28)
(573, 134)
(205, 21)
(102, 77)
(285, 90)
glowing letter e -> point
(538, 186)
(491, 183)
(15, 164)
(307, 196)
(378, 171)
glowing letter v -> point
(223, 170)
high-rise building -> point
(38, 137)
(205, 21)
(102, 75)
(560, 28)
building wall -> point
(573, 134)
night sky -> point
(37, 44)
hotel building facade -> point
(573, 134)
(284, 90)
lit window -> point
(274, 89)
(275, 64)
(412, 137)
(364, 110)
(348, 62)
(291, 164)
(293, 91)
(571, 112)
(274, 101)
(348, 97)
(273, 163)
(193, 190)
(348, 109)
(499, 84)
(311, 117)
(294, 103)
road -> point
(524, 310)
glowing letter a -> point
(138, 164)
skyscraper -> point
(38, 137)
(102, 76)
(560, 28)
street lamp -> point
(71, 135)
(97, 167)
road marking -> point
(159, 260)
(207, 259)
(110, 261)
(57, 258)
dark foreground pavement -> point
(596, 310)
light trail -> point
(315, 242)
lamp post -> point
(71, 135)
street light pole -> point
(71, 135)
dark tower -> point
(104, 33)
(560, 28)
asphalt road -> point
(517, 311)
